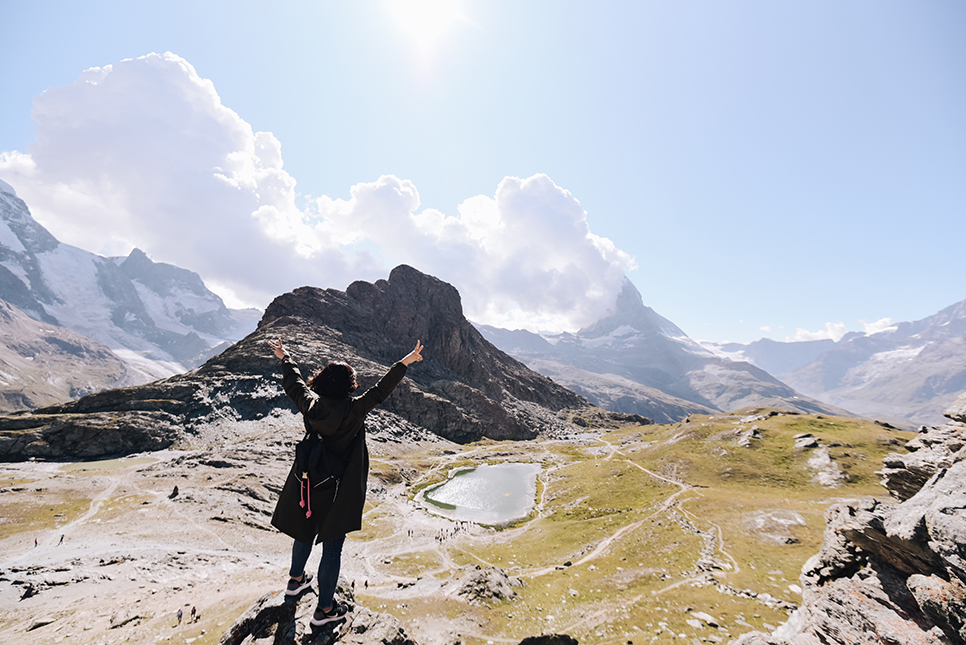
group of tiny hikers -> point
(325, 512)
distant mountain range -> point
(904, 373)
(161, 320)
(637, 361)
(156, 318)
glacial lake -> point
(491, 495)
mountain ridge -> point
(640, 362)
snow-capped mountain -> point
(903, 374)
(160, 319)
(637, 361)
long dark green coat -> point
(341, 424)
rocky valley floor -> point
(697, 529)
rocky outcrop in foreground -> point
(892, 573)
(464, 390)
(277, 619)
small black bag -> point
(315, 468)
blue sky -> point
(758, 168)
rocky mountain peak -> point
(630, 311)
(382, 321)
(636, 361)
(165, 279)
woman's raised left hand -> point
(412, 356)
(279, 350)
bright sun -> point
(426, 23)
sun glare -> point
(426, 24)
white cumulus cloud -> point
(143, 153)
(883, 324)
(832, 331)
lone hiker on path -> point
(330, 411)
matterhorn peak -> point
(630, 311)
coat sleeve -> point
(294, 385)
(381, 390)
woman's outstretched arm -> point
(292, 381)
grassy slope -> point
(661, 494)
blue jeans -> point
(329, 565)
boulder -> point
(957, 411)
(482, 586)
(549, 639)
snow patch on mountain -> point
(693, 346)
(16, 270)
(881, 365)
(148, 364)
(623, 334)
(167, 310)
(71, 275)
(9, 239)
(717, 349)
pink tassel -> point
(308, 486)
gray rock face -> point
(934, 449)
(464, 390)
(277, 619)
(957, 411)
(891, 573)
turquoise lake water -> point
(486, 494)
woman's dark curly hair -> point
(336, 381)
